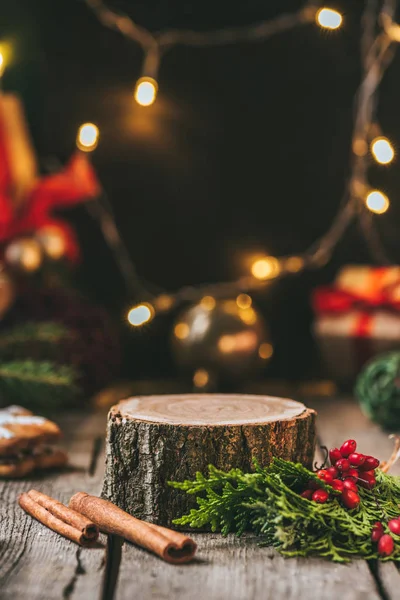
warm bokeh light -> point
(244, 301)
(329, 18)
(377, 202)
(265, 351)
(146, 91)
(2, 64)
(24, 254)
(294, 264)
(164, 302)
(140, 314)
(53, 241)
(360, 147)
(201, 378)
(382, 150)
(248, 316)
(181, 331)
(88, 137)
(265, 268)
(243, 341)
(208, 302)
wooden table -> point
(36, 563)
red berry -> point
(368, 473)
(369, 464)
(338, 484)
(325, 476)
(385, 545)
(394, 526)
(367, 480)
(334, 455)
(349, 484)
(333, 471)
(313, 485)
(320, 496)
(351, 474)
(350, 499)
(348, 447)
(377, 532)
(307, 494)
(356, 459)
(343, 464)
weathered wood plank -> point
(239, 569)
(34, 561)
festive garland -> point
(339, 513)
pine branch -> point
(40, 384)
(40, 341)
(268, 502)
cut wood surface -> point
(156, 439)
(36, 563)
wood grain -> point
(239, 569)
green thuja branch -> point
(40, 384)
(268, 502)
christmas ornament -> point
(221, 339)
(7, 293)
(24, 254)
(378, 390)
(300, 512)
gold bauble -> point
(222, 340)
(24, 254)
(52, 241)
(7, 293)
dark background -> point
(245, 150)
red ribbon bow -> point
(332, 300)
(75, 183)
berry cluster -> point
(348, 470)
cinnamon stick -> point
(69, 516)
(59, 518)
(171, 546)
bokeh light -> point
(377, 202)
(244, 301)
(181, 331)
(382, 150)
(88, 137)
(140, 314)
(201, 378)
(146, 91)
(208, 302)
(328, 18)
(265, 268)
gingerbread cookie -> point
(23, 443)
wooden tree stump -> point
(154, 439)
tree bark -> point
(155, 439)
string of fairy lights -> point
(380, 33)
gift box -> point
(357, 318)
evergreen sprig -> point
(41, 384)
(41, 341)
(268, 502)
